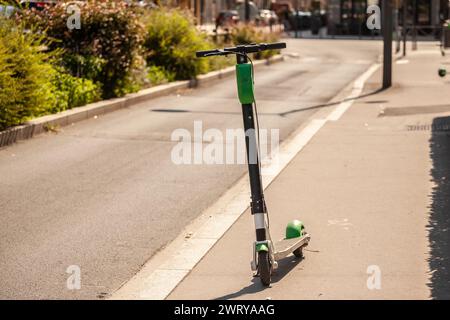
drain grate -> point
(429, 127)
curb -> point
(45, 123)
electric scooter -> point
(265, 252)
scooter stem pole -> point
(258, 207)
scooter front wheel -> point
(264, 267)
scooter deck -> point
(285, 247)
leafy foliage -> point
(158, 75)
(171, 42)
(26, 88)
(246, 34)
(47, 67)
(104, 49)
(30, 85)
(73, 92)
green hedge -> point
(73, 92)
(30, 85)
(117, 50)
(105, 49)
(171, 40)
(246, 34)
(25, 76)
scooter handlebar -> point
(275, 45)
(250, 48)
(206, 53)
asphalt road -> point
(104, 195)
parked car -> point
(284, 12)
(227, 18)
(37, 4)
(253, 11)
(267, 17)
(147, 4)
(281, 7)
(7, 10)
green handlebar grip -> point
(245, 83)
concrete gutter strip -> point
(43, 124)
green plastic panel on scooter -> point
(294, 229)
(245, 83)
(262, 247)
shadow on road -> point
(329, 104)
(284, 267)
(281, 114)
(439, 222)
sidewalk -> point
(372, 190)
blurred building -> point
(207, 10)
(343, 17)
(349, 16)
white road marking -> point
(357, 89)
(157, 282)
(341, 223)
(403, 61)
(425, 51)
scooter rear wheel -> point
(298, 253)
(264, 268)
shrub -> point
(105, 49)
(158, 75)
(73, 92)
(171, 41)
(246, 34)
(30, 84)
(26, 88)
(221, 62)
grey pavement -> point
(104, 195)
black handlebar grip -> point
(205, 53)
(276, 45)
